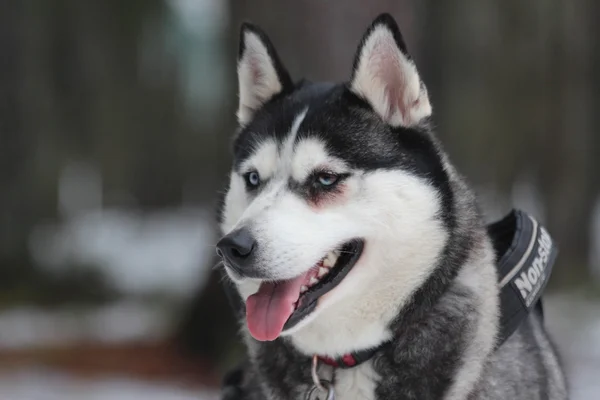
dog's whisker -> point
(347, 252)
(218, 265)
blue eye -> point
(327, 179)
(252, 179)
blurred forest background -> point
(115, 124)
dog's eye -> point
(327, 179)
(252, 179)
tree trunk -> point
(566, 171)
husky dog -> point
(347, 231)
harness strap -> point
(526, 254)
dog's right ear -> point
(261, 75)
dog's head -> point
(338, 198)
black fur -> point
(424, 357)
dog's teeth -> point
(323, 272)
(313, 281)
(303, 289)
(330, 260)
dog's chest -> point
(356, 383)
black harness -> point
(525, 255)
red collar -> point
(345, 361)
(351, 359)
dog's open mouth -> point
(280, 305)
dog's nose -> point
(236, 248)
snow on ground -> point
(165, 251)
(23, 327)
(48, 385)
(574, 324)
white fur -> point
(257, 77)
(310, 154)
(389, 81)
(288, 147)
(264, 160)
(236, 202)
(290, 234)
(357, 383)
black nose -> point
(236, 248)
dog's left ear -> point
(386, 77)
(261, 74)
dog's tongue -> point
(268, 309)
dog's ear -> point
(261, 75)
(386, 77)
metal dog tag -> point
(319, 385)
(326, 386)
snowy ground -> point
(47, 385)
(165, 252)
(574, 324)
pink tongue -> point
(268, 309)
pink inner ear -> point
(394, 102)
(387, 69)
(255, 71)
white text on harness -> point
(530, 281)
